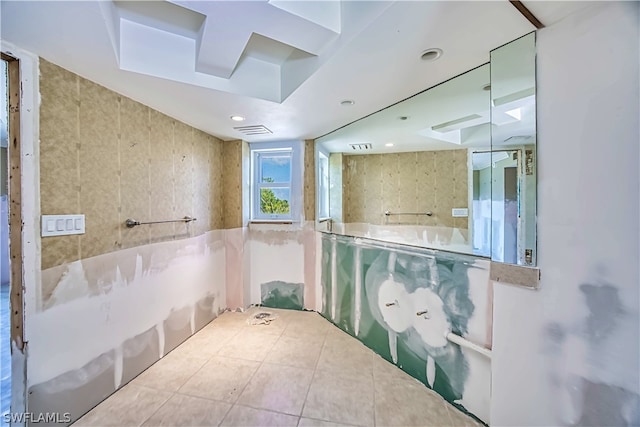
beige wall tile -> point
(217, 177)
(59, 250)
(99, 169)
(407, 186)
(201, 182)
(444, 188)
(111, 158)
(183, 168)
(59, 96)
(232, 184)
(134, 170)
(373, 203)
(309, 180)
(426, 191)
(59, 138)
(354, 183)
(390, 196)
(406, 182)
(161, 198)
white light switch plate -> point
(459, 212)
(62, 225)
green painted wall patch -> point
(278, 294)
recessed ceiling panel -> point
(245, 53)
(162, 15)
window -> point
(275, 176)
(323, 185)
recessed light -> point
(237, 118)
(431, 54)
(487, 87)
(389, 144)
(347, 102)
(403, 117)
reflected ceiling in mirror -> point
(452, 115)
(513, 131)
(405, 174)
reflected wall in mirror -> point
(407, 174)
(513, 146)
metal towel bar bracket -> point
(388, 213)
(130, 223)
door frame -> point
(24, 212)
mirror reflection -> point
(451, 168)
(412, 173)
(513, 171)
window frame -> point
(289, 149)
(322, 189)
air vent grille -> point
(360, 147)
(253, 130)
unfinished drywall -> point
(281, 253)
(402, 302)
(237, 268)
(569, 353)
(111, 158)
(435, 181)
(111, 316)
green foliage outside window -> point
(269, 203)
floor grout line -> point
(245, 387)
(264, 409)
(315, 369)
(156, 411)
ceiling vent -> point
(361, 147)
(253, 130)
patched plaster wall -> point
(568, 354)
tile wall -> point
(421, 181)
(111, 158)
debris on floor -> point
(262, 318)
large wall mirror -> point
(423, 172)
(513, 145)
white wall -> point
(141, 302)
(569, 353)
(279, 252)
(275, 256)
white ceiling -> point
(282, 64)
(452, 115)
(457, 113)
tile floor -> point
(300, 370)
